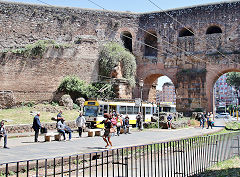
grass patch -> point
(229, 168)
(233, 125)
(21, 115)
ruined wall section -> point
(193, 52)
(37, 78)
(21, 24)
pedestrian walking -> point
(169, 121)
(202, 119)
(114, 122)
(36, 126)
(139, 120)
(108, 129)
(119, 124)
(209, 120)
(80, 122)
(3, 134)
(126, 125)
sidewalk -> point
(24, 148)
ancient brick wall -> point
(38, 78)
(197, 52)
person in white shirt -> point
(80, 122)
(3, 134)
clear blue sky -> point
(122, 5)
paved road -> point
(25, 149)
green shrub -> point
(30, 104)
(111, 55)
(76, 88)
(36, 49)
(54, 103)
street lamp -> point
(141, 82)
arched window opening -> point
(151, 47)
(213, 30)
(186, 32)
(127, 40)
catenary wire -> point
(218, 73)
(191, 31)
(130, 37)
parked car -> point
(223, 115)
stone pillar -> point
(190, 91)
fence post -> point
(126, 166)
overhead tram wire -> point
(138, 42)
(214, 72)
(44, 2)
(199, 59)
(191, 31)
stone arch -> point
(126, 38)
(128, 31)
(213, 29)
(185, 32)
(149, 76)
(211, 79)
(150, 50)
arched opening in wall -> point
(226, 95)
(160, 89)
(186, 32)
(165, 94)
(213, 30)
(152, 45)
(126, 38)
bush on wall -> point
(36, 49)
(76, 88)
(111, 55)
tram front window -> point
(90, 111)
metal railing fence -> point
(185, 157)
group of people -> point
(62, 128)
(206, 117)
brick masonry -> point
(37, 78)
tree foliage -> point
(111, 55)
(76, 88)
(233, 79)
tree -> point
(233, 79)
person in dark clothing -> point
(36, 126)
(126, 125)
(107, 127)
(169, 121)
(139, 120)
(3, 134)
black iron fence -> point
(184, 157)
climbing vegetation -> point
(36, 49)
(111, 55)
